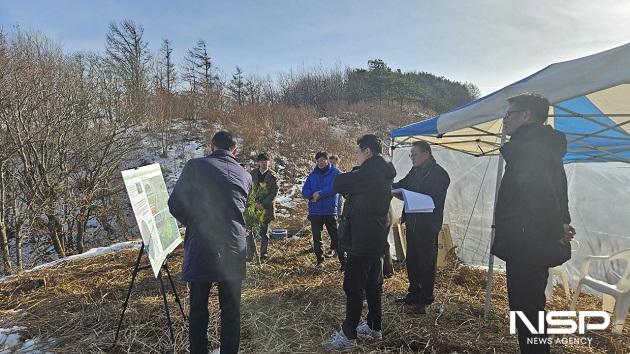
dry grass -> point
(286, 307)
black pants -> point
(230, 303)
(421, 262)
(526, 292)
(263, 232)
(388, 264)
(364, 275)
(317, 225)
(264, 239)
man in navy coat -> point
(209, 200)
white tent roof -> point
(590, 99)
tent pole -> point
(488, 304)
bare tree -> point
(4, 240)
(166, 77)
(203, 66)
(128, 52)
(37, 125)
(68, 129)
(114, 139)
(203, 81)
(166, 67)
(253, 89)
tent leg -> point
(488, 303)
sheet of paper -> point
(416, 202)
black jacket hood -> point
(541, 139)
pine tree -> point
(237, 86)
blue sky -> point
(490, 43)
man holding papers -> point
(424, 192)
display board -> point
(149, 200)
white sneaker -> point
(216, 351)
(365, 332)
(339, 341)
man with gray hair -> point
(422, 229)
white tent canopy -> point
(590, 103)
(590, 100)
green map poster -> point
(149, 200)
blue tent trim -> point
(425, 127)
(588, 139)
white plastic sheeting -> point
(599, 203)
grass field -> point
(287, 307)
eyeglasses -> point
(509, 113)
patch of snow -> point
(10, 337)
(286, 200)
(177, 156)
(91, 253)
(11, 342)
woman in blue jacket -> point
(322, 206)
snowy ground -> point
(10, 339)
(90, 253)
(12, 342)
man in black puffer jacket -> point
(532, 230)
(368, 191)
(426, 177)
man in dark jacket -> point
(368, 189)
(322, 206)
(532, 230)
(422, 229)
(265, 177)
(209, 200)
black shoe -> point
(407, 300)
(418, 309)
(330, 253)
(264, 257)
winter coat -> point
(321, 181)
(433, 181)
(267, 199)
(368, 191)
(532, 203)
(209, 200)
